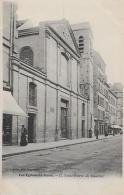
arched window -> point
(26, 55)
(81, 44)
(32, 94)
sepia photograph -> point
(62, 112)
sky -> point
(106, 18)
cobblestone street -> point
(93, 159)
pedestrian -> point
(96, 133)
(24, 136)
(90, 133)
(105, 133)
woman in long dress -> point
(24, 141)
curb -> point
(52, 147)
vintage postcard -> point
(62, 97)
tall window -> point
(32, 94)
(81, 44)
(103, 115)
(83, 109)
(98, 99)
(26, 55)
(101, 101)
(65, 68)
(98, 114)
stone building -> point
(46, 83)
(9, 33)
(105, 110)
(10, 106)
(99, 98)
(112, 108)
(83, 35)
(117, 89)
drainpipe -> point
(11, 46)
(87, 116)
(77, 117)
(57, 96)
(11, 52)
(45, 112)
(77, 96)
(45, 63)
(17, 116)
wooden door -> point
(64, 122)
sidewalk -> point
(32, 147)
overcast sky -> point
(105, 17)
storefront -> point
(100, 126)
(10, 108)
(115, 129)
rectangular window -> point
(65, 69)
(107, 106)
(32, 95)
(83, 109)
(98, 99)
(98, 114)
(101, 101)
(6, 65)
(103, 115)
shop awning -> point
(10, 105)
(116, 127)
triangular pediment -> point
(64, 30)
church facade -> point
(46, 84)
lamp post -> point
(96, 126)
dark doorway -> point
(7, 129)
(83, 128)
(64, 123)
(64, 119)
(31, 127)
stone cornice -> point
(27, 32)
(17, 62)
(21, 65)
